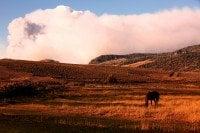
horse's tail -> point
(158, 97)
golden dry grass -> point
(81, 91)
(170, 109)
(178, 107)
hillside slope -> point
(186, 59)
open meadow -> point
(35, 97)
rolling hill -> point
(186, 59)
(46, 96)
(48, 78)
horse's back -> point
(151, 95)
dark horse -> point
(152, 96)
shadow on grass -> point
(62, 124)
(41, 124)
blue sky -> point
(10, 9)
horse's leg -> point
(151, 102)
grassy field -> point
(50, 97)
(105, 108)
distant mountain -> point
(185, 59)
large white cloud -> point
(78, 36)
